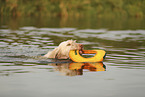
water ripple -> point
(125, 48)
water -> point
(24, 74)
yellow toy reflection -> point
(89, 66)
(74, 69)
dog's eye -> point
(68, 44)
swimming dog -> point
(62, 51)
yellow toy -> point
(76, 57)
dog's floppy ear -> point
(54, 53)
(59, 55)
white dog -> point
(62, 51)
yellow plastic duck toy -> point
(98, 57)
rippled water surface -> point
(23, 73)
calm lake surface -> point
(24, 74)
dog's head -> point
(71, 45)
(65, 47)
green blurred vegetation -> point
(75, 8)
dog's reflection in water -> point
(73, 69)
